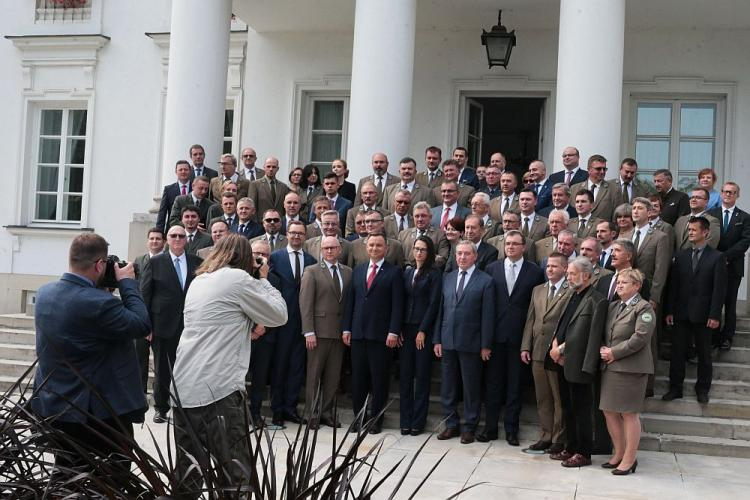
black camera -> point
(109, 280)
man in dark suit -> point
(182, 187)
(268, 191)
(542, 186)
(196, 239)
(450, 207)
(673, 203)
(463, 340)
(696, 295)
(229, 211)
(560, 200)
(575, 349)
(87, 327)
(198, 156)
(371, 326)
(606, 232)
(734, 241)
(197, 198)
(338, 203)
(289, 357)
(573, 173)
(164, 283)
(246, 225)
(491, 182)
(514, 279)
(473, 232)
(466, 175)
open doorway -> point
(510, 125)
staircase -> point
(721, 428)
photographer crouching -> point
(87, 379)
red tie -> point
(371, 277)
(184, 190)
(446, 218)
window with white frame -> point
(324, 130)
(228, 129)
(681, 135)
(60, 164)
(54, 11)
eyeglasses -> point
(225, 163)
(373, 221)
(248, 156)
(697, 197)
(402, 202)
(420, 250)
(360, 223)
(448, 190)
(569, 155)
(730, 193)
(599, 169)
(329, 248)
(294, 233)
(272, 221)
(178, 236)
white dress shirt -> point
(293, 258)
(183, 266)
(469, 272)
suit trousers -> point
(702, 335)
(142, 349)
(165, 352)
(371, 373)
(548, 403)
(288, 371)
(730, 306)
(503, 378)
(261, 355)
(415, 376)
(323, 373)
(108, 438)
(457, 367)
(578, 407)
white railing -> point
(63, 11)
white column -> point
(382, 71)
(197, 81)
(589, 79)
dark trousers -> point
(371, 373)
(288, 371)
(503, 378)
(458, 367)
(216, 432)
(702, 336)
(578, 407)
(414, 380)
(95, 437)
(165, 352)
(261, 355)
(730, 305)
(142, 349)
(323, 373)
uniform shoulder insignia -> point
(596, 270)
(636, 300)
(647, 317)
(650, 230)
(323, 265)
(565, 285)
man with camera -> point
(87, 379)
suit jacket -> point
(606, 198)
(603, 284)
(465, 193)
(312, 230)
(486, 255)
(468, 176)
(666, 228)
(418, 193)
(598, 274)
(673, 205)
(394, 255)
(638, 189)
(407, 237)
(734, 240)
(215, 188)
(496, 205)
(557, 177)
(171, 191)
(284, 223)
(498, 242)
(544, 195)
(681, 235)
(390, 179)
(200, 240)
(491, 229)
(348, 191)
(312, 246)
(280, 266)
(542, 319)
(279, 243)
(544, 212)
(584, 337)
(320, 306)
(628, 333)
(260, 191)
(423, 178)
(467, 324)
(543, 249)
(139, 263)
(250, 231)
(163, 295)
(391, 228)
(422, 300)
(342, 206)
(351, 216)
(538, 230)
(512, 309)
(653, 258)
(371, 314)
(259, 172)
(697, 296)
(588, 230)
(183, 201)
(92, 330)
(437, 214)
(207, 172)
(223, 217)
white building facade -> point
(100, 98)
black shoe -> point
(330, 422)
(293, 418)
(649, 393)
(448, 433)
(672, 394)
(725, 345)
(512, 438)
(376, 429)
(486, 437)
(278, 420)
(467, 437)
(160, 417)
(702, 397)
(620, 472)
(540, 445)
(405, 432)
(416, 432)
(555, 448)
(355, 427)
(610, 465)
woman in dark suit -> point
(627, 363)
(422, 287)
(311, 184)
(346, 189)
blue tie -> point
(179, 272)
(726, 221)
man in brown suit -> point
(330, 226)
(585, 224)
(432, 177)
(407, 171)
(653, 254)
(423, 226)
(627, 184)
(533, 225)
(401, 218)
(374, 224)
(367, 194)
(380, 178)
(591, 248)
(655, 220)
(605, 197)
(228, 172)
(268, 191)
(508, 199)
(558, 220)
(511, 221)
(698, 204)
(547, 304)
(450, 173)
(272, 226)
(322, 293)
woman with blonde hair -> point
(624, 220)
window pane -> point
(72, 207)
(686, 181)
(227, 147)
(326, 147)
(328, 115)
(698, 120)
(74, 179)
(695, 155)
(473, 149)
(652, 154)
(475, 120)
(654, 119)
(76, 150)
(49, 150)
(47, 179)
(51, 122)
(77, 122)
(228, 122)
(46, 206)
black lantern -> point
(499, 43)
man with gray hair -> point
(227, 172)
(591, 249)
(480, 206)
(560, 200)
(423, 227)
(557, 222)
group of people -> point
(587, 281)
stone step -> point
(712, 427)
(17, 336)
(721, 370)
(14, 367)
(688, 406)
(743, 323)
(19, 352)
(721, 389)
(741, 339)
(738, 354)
(699, 445)
(17, 320)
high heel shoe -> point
(607, 465)
(620, 472)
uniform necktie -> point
(309, 191)
(612, 285)
(270, 242)
(637, 240)
(242, 229)
(198, 172)
(622, 308)
(551, 294)
(696, 256)
(178, 268)
(230, 221)
(401, 224)
(506, 206)
(297, 268)
(406, 187)
(625, 195)
(190, 238)
(525, 230)
(593, 190)
(512, 276)
(461, 283)
(336, 282)
(726, 220)
(273, 190)
(252, 174)
(380, 184)
(446, 218)
(568, 177)
(184, 190)
(371, 277)
(432, 177)
(581, 227)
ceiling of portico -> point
(338, 15)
